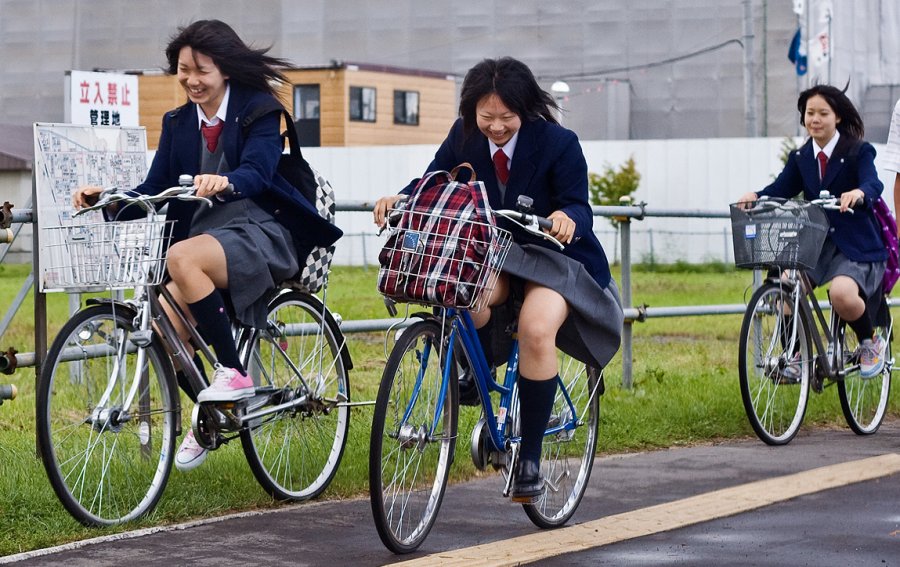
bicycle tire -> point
(774, 405)
(567, 457)
(295, 453)
(105, 470)
(863, 400)
(405, 507)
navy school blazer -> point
(852, 166)
(253, 156)
(548, 165)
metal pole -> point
(627, 358)
(40, 306)
(749, 90)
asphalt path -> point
(651, 508)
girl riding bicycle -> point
(836, 159)
(238, 251)
(508, 132)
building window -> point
(406, 107)
(306, 102)
(362, 104)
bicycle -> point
(109, 409)
(786, 345)
(415, 424)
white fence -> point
(705, 174)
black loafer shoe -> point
(527, 483)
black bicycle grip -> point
(544, 223)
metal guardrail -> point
(624, 213)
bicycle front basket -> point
(106, 255)
(443, 260)
(778, 233)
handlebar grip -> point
(228, 190)
(7, 392)
(544, 223)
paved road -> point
(848, 524)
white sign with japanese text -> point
(101, 99)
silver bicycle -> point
(109, 409)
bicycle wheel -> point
(568, 456)
(413, 432)
(774, 362)
(863, 400)
(294, 453)
(107, 463)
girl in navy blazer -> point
(837, 160)
(250, 241)
(508, 132)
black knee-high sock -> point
(183, 381)
(862, 327)
(535, 405)
(485, 337)
(213, 320)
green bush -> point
(613, 184)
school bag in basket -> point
(445, 246)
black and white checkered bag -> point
(315, 272)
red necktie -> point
(823, 163)
(211, 133)
(501, 166)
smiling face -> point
(820, 120)
(201, 79)
(495, 120)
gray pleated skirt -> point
(832, 262)
(259, 254)
(592, 332)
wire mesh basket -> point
(438, 259)
(105, 255)
(778, 233)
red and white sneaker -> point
(228, 385)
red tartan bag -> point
(445, 249)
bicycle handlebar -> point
(529, 221)
(533, 223)
(184, 191)
(826, 200)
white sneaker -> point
(190, 454)
(228, 385)
(871, 357)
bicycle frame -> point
(463, 328)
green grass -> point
(685, 391)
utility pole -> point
(749, 90)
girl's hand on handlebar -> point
(563, 227)
(747, 199)
(209, 185)
(382, 206)
(850, 199)
(86, 196)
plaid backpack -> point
(445, 245)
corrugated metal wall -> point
(612, 53)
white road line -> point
(664, 517)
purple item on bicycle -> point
(889, 237)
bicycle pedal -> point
(526, 499)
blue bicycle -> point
(414, 429)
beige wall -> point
(437, 106)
